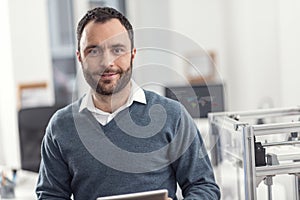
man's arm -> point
(195, 174)
(193, 169)
(54, 178)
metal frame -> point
(248, 132)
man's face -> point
(106, 56)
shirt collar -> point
(136, 94)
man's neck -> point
(110, 103)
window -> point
(62, 41)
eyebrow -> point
(91, 47)
(117, 45)
(101, 47)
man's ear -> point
(133, 53)
(78, 56)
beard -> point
(108, 87)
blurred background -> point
(253, 46)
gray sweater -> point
(145, 147)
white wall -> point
(193, 25)
(202, 23)
(151, 21)
(253, 53)
(30, 43)
(8, 130)
(256, 44)
(25, 57)
(262, 45)
(289, 49)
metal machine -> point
(259, 145)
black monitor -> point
(199, 100)
(32, 126)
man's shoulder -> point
(156, 98)
(66, 113)
(172, 107)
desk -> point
(25, 186)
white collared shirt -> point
(136, 94)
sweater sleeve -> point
(54, 177)
(193, 169)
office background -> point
(256, 45)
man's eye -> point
(94, 52)
(118, 50)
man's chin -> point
(105, 91)
(109, 87)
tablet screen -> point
(149, 195)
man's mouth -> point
(109, 74)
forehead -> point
(98, 32)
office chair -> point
(32, 126)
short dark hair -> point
(102, 15)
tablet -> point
(149, 195)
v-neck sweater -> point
(145, 147)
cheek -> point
(89, 68)
(123, 61)
(89, 64)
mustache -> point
(108, 71)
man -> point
(119, 138)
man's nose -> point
(107, 59)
